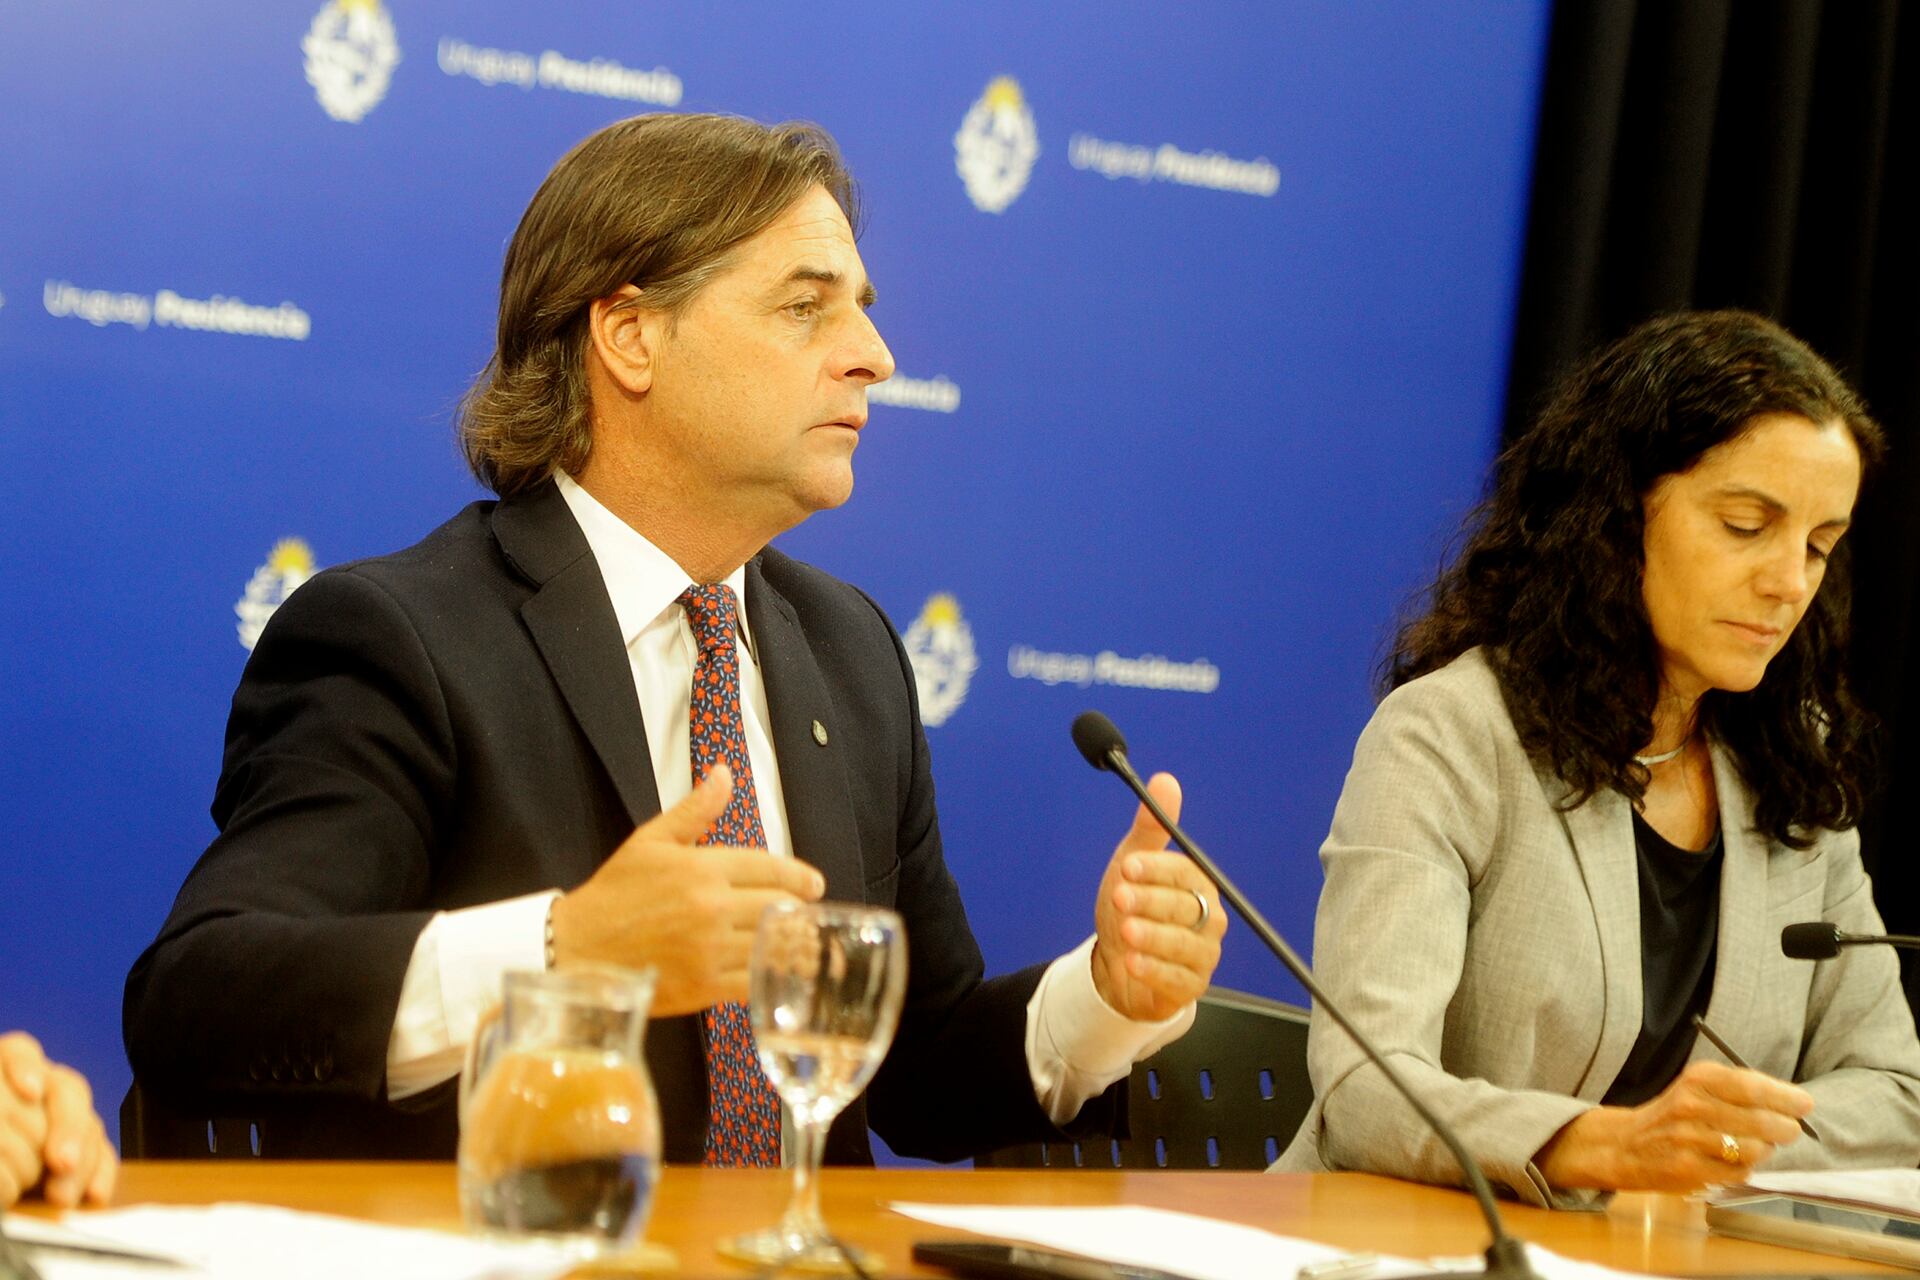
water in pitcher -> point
(561, 1144)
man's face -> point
(759, 388)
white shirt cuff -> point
(453, 978)
(1077, 1044)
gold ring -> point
(1729, 1148)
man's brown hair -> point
(657, 201)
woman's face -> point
(1737, 545)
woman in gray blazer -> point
(1618, 755)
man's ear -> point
(623, 336)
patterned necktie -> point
(743, 1112)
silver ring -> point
(1729, 1148)
(1206, 911)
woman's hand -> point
(1713, 1124)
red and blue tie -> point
(743, 1112)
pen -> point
(1713, 1038)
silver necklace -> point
(1664, 756)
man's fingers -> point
(1146, 832)
(1172, 943)
(25, 1065)
(1175, 906)
(732, 985)
(689, 820)
(749, 906)
(1176, 984)
(758, 869)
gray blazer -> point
(1490, 944)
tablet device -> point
(996, 1260)
(1875, 1235)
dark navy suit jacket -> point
(457, 724)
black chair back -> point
(1227, 1095)
(152, 1129)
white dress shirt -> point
(1076, 1045)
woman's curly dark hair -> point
(1549, 578)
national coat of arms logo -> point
(940, 646)
(351, 53)
(289, 564)
(996, 146)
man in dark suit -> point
(528, 739)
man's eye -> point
(803, 309)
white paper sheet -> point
(230, 1241)
(1896, 1189)
(1182, 1243)
(1186, 1244)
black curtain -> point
(1760, 154)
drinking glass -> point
(559, 1126)
(828, 979)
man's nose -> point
(866, 357)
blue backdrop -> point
(1201, 313)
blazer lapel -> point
(1744, 922)
(819, 806)
(1601, 832)
(572, 623)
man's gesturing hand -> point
(1155, 947)
(688, 910)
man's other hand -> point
(49, 1135)
(1155, 945)
(688, 910)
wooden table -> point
(695, 1207)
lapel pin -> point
(819, 733)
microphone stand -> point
(1506, 1257)
(1903, 941)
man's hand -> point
(1152, 952)
(49, 1134)
(688, 910)
(1677, 1140)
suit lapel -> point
(1744, 922)
(1601, 831)
(819, 806)
(572, 623)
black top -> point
(1679, 917)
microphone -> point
(1100, 742)
(1818, 940)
